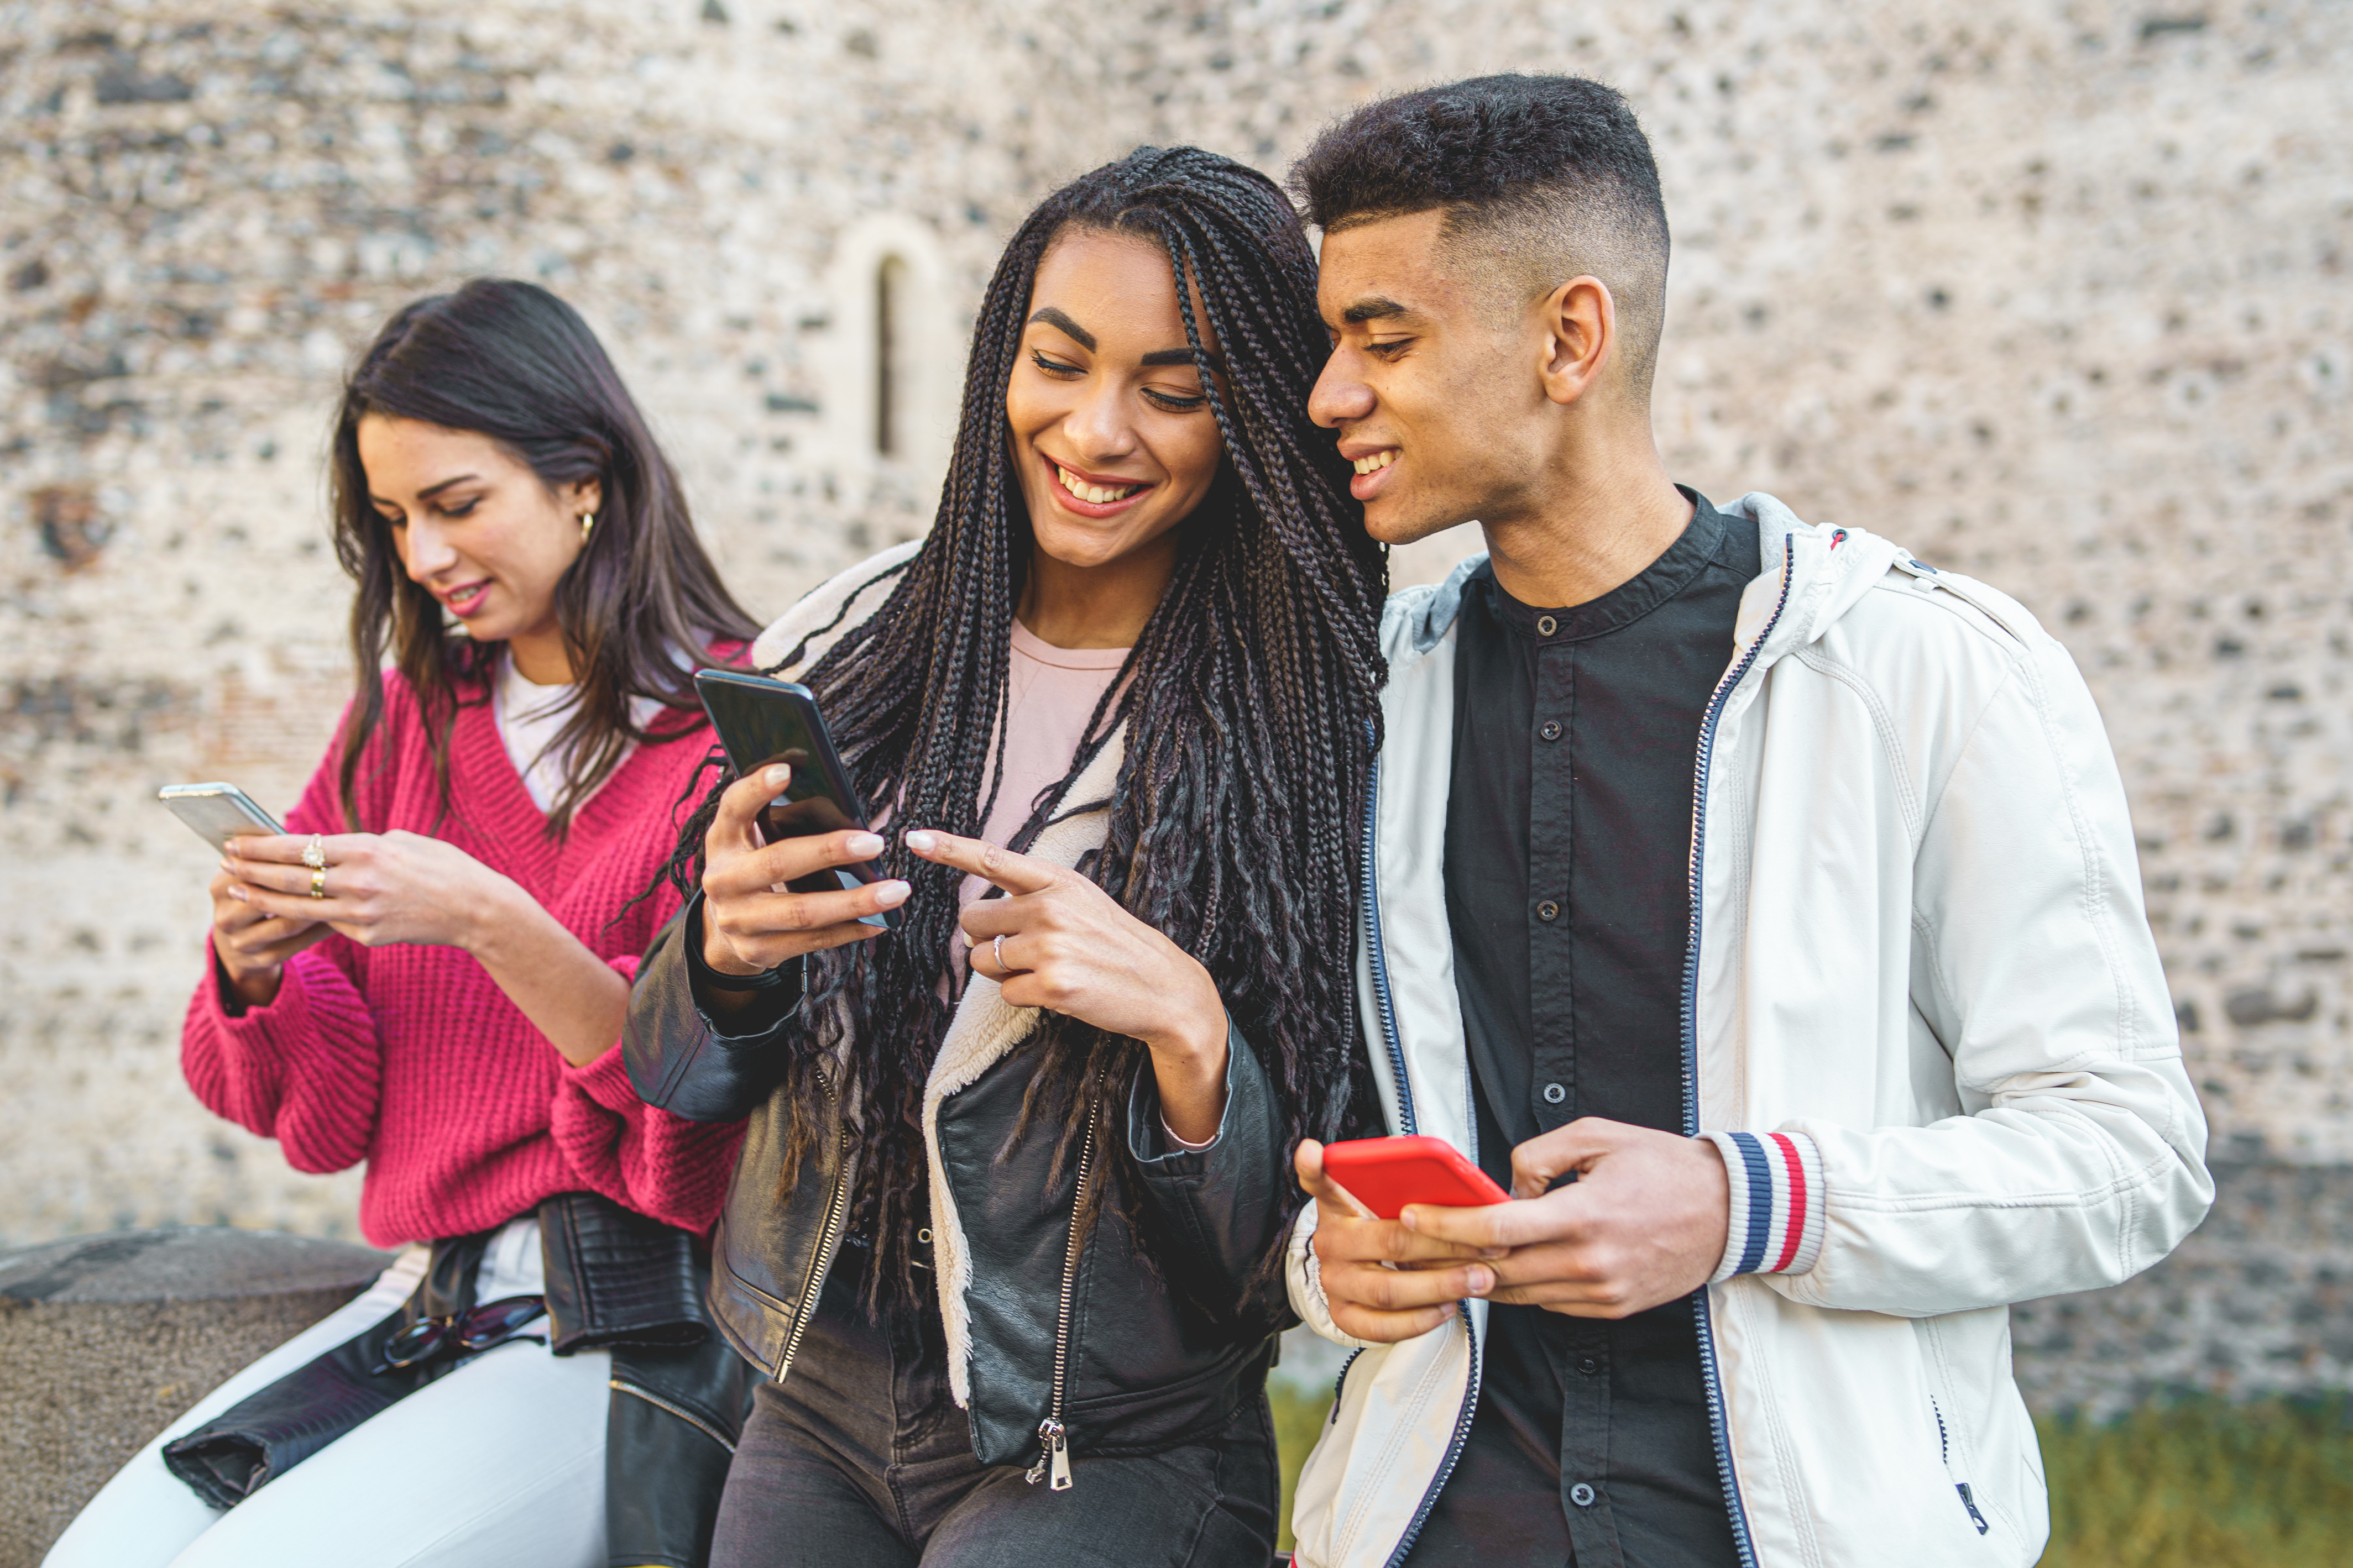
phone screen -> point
(761, 722)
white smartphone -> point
(218, 812)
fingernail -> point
(1405, 1217)
(921, 842)
(777, 777)
(866, 844)
(1482, 1281)
(889, 894)
(1495, 1251)
(237, 893)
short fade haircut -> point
(1554, 170)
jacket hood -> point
(1813, 575)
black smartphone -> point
(760, 722)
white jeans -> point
(499, 1464)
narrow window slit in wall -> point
(889, 381)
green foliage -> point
(2195, 1483)
(2198, 1481)
(1298, 1417)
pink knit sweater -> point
(413, 1059)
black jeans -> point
(861, 1457)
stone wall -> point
(2053, 293)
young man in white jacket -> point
(1756, 901)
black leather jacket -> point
(1145, 1366)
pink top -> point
(413, 1059)
(1049, 694)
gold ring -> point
(315, 854)
(318, 882)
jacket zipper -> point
(1340, 1386)
(1710, 1378)
(837, 1208)
(1053, 1437)
(1945, 1453)
(623, 1386)
(1406, 1124)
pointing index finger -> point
(1014, 873)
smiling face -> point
(479, 529)
(1108, 422)
(1435, 384)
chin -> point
(1391, 521)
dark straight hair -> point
(639, 606)
(1251, 704)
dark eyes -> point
(459, 509)
(1388, 348)
(1174, 402)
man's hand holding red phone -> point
(1642, 1225)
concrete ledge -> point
(106, 1340)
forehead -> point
(410, 452)
(1118, 286)
(1391, 265)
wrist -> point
(494, 916)
(1195, 1034)
(718, 956)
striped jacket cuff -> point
(1777, 1203)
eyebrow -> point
(428, 492)
(1372, 310)
(1054, 316)
(1184, 356)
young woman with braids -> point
(1001, 1235)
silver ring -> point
(315, 854)
(1003, 968)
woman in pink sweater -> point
(429, 972)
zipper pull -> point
(1054, 1454)
(1971, 1504)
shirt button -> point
(1547, 911)
(1551, 730)
(1546, 625)
(1581, 1494)
(1588, 1365)
(1554, 1094)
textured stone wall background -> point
(2054, 293)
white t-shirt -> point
(529, 715)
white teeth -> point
(1098, 495)
(1378, 461)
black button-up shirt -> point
(1567, 886)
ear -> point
(1580, 325)
(588, 496)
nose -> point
(1099, 427)
(1340, 395)
(424, 552)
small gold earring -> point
(588, 521)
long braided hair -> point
(1249, 706)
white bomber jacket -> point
(1923, 1017)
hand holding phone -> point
(1384, 1175)
(1382, 1280)
(762, 722)
(218, 812)
(789, 866)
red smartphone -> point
(1386, 1174)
